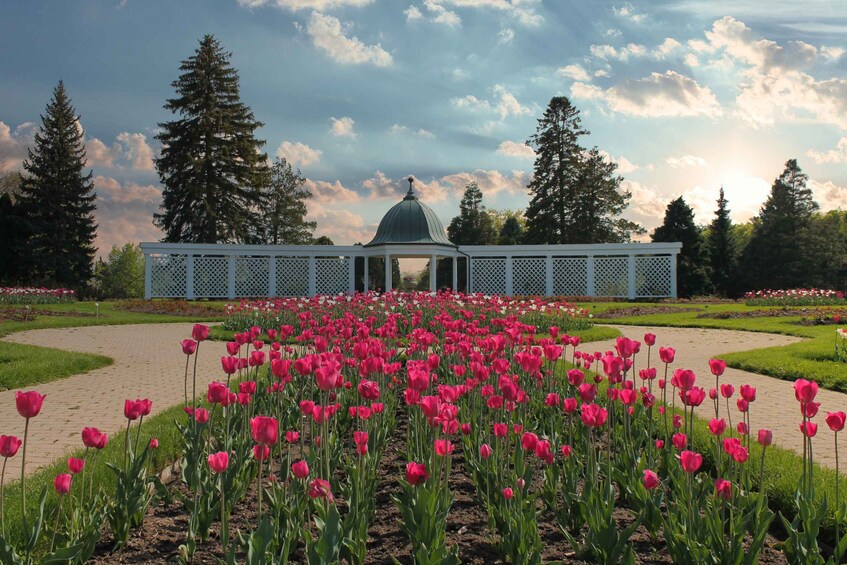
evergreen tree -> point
(722, 252)
(211, 165)
(57, 199)
(323, 240)
(692, 272)
(511, 233)
(473, 225)
(12, 233)
(284, 213)
(575, 194)
(777, 255)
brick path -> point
(149, 363)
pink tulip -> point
(809, 429)
(300, 469)
(835, 420)
(667, 354)
(416, 473)
(593, 415)
(75, 465)
(723, 489)
(717, 426)
(690, 461)
(154, 443)
(508, 493)
(650, 339)
(29, 403)
(62, 483)
(201, 415)
(219, 461)
(717, 366)
(261, 452)
(748, 393)
(485, 451)
(805, 391)
(651, 479)
(265, 429)
(9, 446)
(189, 346)
(200, 332)
(765, 438)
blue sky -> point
(685, 95)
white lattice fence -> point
(168, 276)
(529, 276)
(252, 276)
(611, 276)
(570, 276)
(210, 277)
(488, 275)
(331, 275)
(653, 276)
(292, 276)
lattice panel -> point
(331, 275)
(252, 276)
(570, 277)
(529, 277)
(168, 276)
(653, 276)
(489, 275)
(292, 276)
(210, 277)
(610, 276)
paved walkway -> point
(149, 364)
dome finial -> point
(411, 182)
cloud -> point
(100, 154)
(505, 35)
(635, 50)
(413, 14)
(136, 149)
(398, 129)
(295, 5)
(685, 161)
(328, 36)
(646, 202)
(837, 155)
(659, 95)
(298, 154)
(738, 41)
(627, 11)
(829, 195)
(125, 212)
(441, 15)
(343, 227)
(517, 150)
(491, 182)
(380, 187)
(523, 11)
(14, 143)
(624, 165)
(324, 192)
(343, 127)
(108, 188)
(503, 103)
(575, 72)
(129, 150)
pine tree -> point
(575, 193)
(722, 253)
(12, 232)
(777, 255)
(692, 271)
(473, 225)
(58, 199)
(511, 233)
(284, 212)
(211, 164)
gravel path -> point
(148, 363)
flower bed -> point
(170, 308)
(795, 297)
(32, 295)
(547, 450)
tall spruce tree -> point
(473, 225)
(211, 165)
(576, 196)
(284, 212)
(692, 270)
(12, 233)
(57, 199)
(777, 254)
(722, 252)
(511, 233)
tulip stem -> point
(56, 526)
(224, 525)
(2, 488)
(185, 387)
(23, 476)
(838, 517)
(194, 376)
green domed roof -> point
(410, 222)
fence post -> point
(351, 274)
(272, 276)
(230, 277)
(367, 281)
(313, 286)
(510, 283)
(189, 276)
(673, 275)
(630, 271)
(548, 275)
(148, 277)
(589, 276)
(455, 273)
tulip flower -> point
(320, 488)
(651, 479)
(219, 461)
(300, 469)
(154, 443)
(528, 441)
(485, 451)
(416, 473)
(690, 461)
(201, 415)
(265, 429)
(28, 405)
(723, 489)
(667, 354)
(717, 426)
(9, 446)
(566, 451)
(717, 366)
(508, 493)
(679, 441)
(200, 332)
(809, 429)
(805, 391)
(593, 415)
(443, 447)
(75, 465)
(836, 420)
(748, 393)
(765, 438)
(650, 339)
(218, 393)
(261, 452)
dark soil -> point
(21, 314)
(170, 308)
(641, 311)
(813, 315)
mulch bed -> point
(776, 313)
(170, 308)
(641, 311)
(20, 314)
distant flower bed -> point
(32, 295)
(410, 310)
(795, 297)
(841, 344)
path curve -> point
(775, 407)
(148, 363)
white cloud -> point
(685, 161)
(295, 5)
(343, 227)
(328, 36)
(624, 165)
(441, 15)
(108, 188)
(829, 195)
(14, 143)
(343, 127)
(523, 11)
(324, 192)
(503, 103)
(298, 154)
(100, 154)
(398, 129)
(491, 182)
(380, 187)
(659, 95)
(505, 35)
(125, 212)
(517, 150)
(739, 41)
(136, 149)
(413, 14)
(837, 155)
(424, 133)
(627, 11)
(665, 49)
(646, 203)
(575, 72)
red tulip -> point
(292, 436)
(809, 429)
(717, 366)
(320, 488)
(360, 438)
(219, 461)
(29, 403)
(265, 429)
(189, 346)
(805, 391)
(485, 451)
(593, 416)
(679, 441)
(91, 437)
(218, 393)
(229, 365)
(569, 405)
(528, 441)
(667, 354)
(835, 420)
(416, 473)
(650, 339)
(690, 461)
(723, 489)
(132, 410)
(651, 479)
(261, 452)
(576, 377)
(154, 443)
(765, 438)
(75, 465)
(727, 390)
(145, 406)
(200, 332)
(62, 483)
(508, 493)
(717, 426)
(443, 447)
(500, 430)
(300, 469)
(232, 347)
(201, 415)
(566, 451)
(327, 375)
(9, 446)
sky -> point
(685, 96)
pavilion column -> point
(387, 273)
(365, 288)
(433, 264)
(455, 273)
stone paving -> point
(148, 363)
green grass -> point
(813, 358)
(26, 365)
